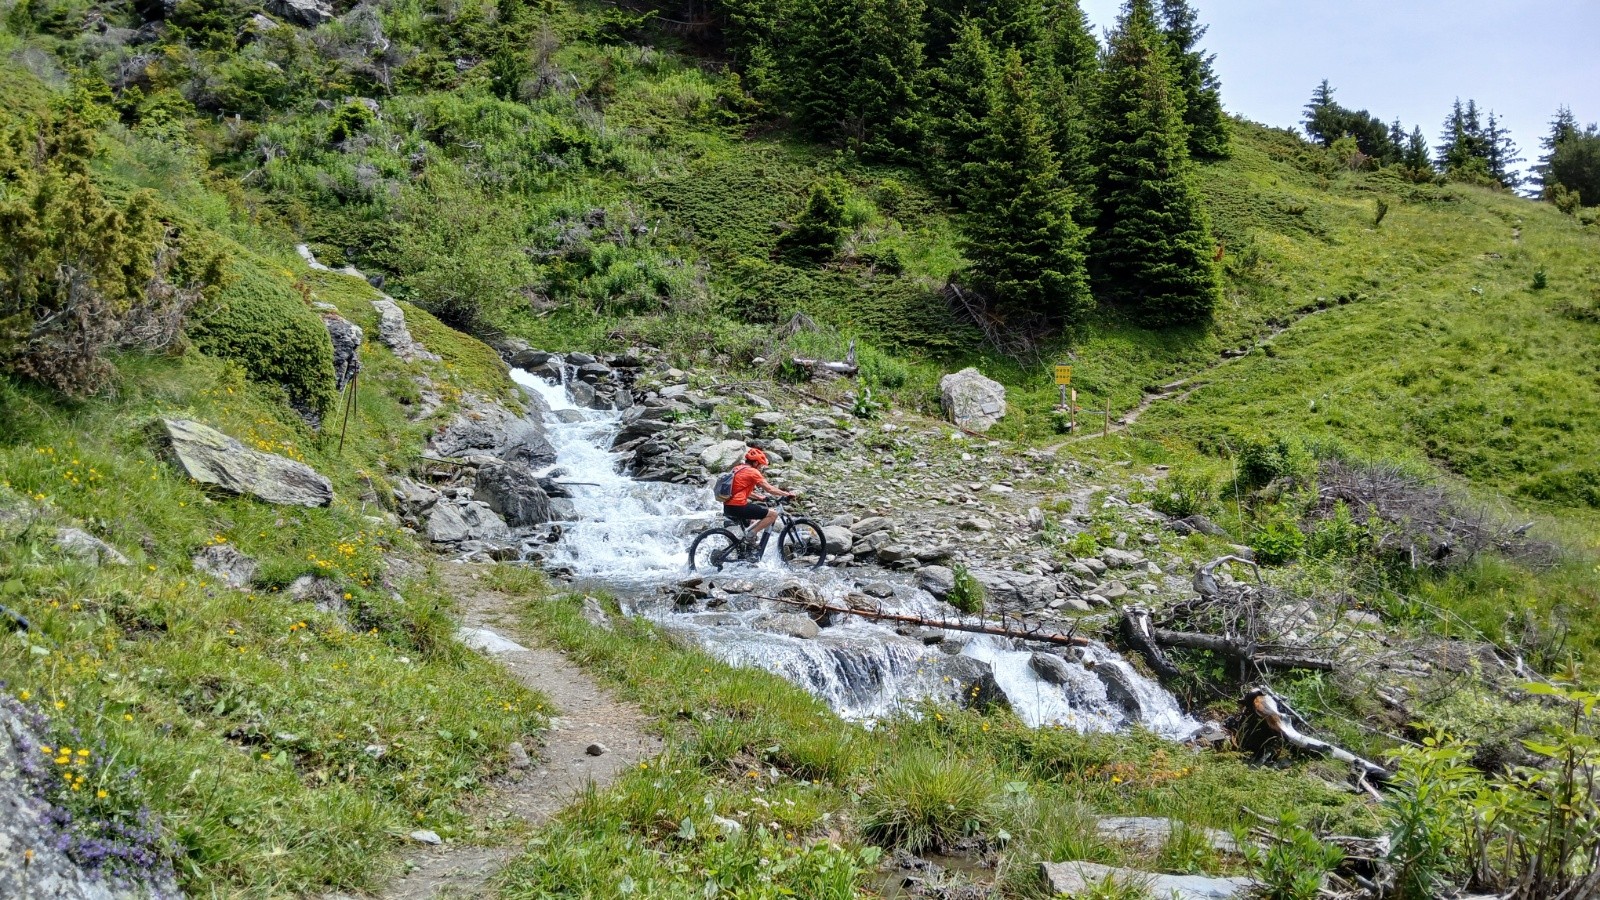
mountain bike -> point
(800, 542)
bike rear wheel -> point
(803, 545)
(713, 549)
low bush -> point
(260, 322)
(1278, 542)
(1184, 495)
(968, 594)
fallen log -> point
(1140, 635)
(846, 366)
(1237, 651)
(1276, 717)
(879, 615)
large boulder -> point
(971, 400)
(939, 581)
(306, 13)
(1074, 878)
(472, 520)
(392, 330)
(1015, 588)
(211, 457)
(792, 624)
(838, 539)
(486, 428)
(721, 457)
(514, 493)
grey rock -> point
(1114, 590)
(85, 547)
(721, 456)
(423, 836)
(595, 614)
(225, 563)
(487, 428)
(413, 498)
(346, 337)
(472, 520)
(514, 493)
(1095, 566)
(392, 330)
(212, 458)
(767, 421)
(1119, 692)
(880, 589)
(597, 749)
(971, 400)
(871, 525)
(306, 13)
(1073, 878)
(1151, 833)
(25, 826)
(1362, 619)
(581, 392)
(1050, 667)
(838, 540)
(322, 593)
(976, 682)
(936, 580)
(485, 640)
(530, 359)
(594, 372)
(518, 755)
(1015, 587)
(1120, 559)
(578, 358)
(1203, 525)
(791, 624)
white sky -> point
(1406, 58)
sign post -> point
(1063, 383)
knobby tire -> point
(799, 537)
(720, 543)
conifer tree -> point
(1464, 149)
(849, 68)
(1563, 128)
(1202, 90)
(958, 102)
(883, 94)
(1027, 252)
(1065, 82)
(1501, 153)
(1151, 250)
(1416, 159)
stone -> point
(473, 520)
(392, 330)
(880, 589)
(792, 624)
(413, 498)
(1362, 618)
(322, 593)
(971, 400)
(85, 547)
(423, 836)
(1119, 691)
(595, 614)
(212, 458)
(767, 421)
(1203, 525)
(1151, 833)
(597, 749)
(871, 525)
(1035, 519)
(305, 13)
(721, 456)
(594, 372)
(975, 679)
(346, 337)
(1096, 566)
(1120, 559)
(484, 640)
(1114, 590)
(1015, 587)
(530, 359)
(1050, 667)
(870, 544)
(487, 428)
(579, 358)
(939, 581)
(518, 756)
(838, 540)
(1074, 878)
(514, 493)
(225, 563)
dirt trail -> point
(588, 714)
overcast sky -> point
(1406, 58)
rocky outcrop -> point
(305, 13)
(34, 853)
(212, 458)
(1074, 878)
(394, 333)
(226, 564)
(971, 400)
(466, 520)
(487, 428)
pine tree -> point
(1463, 151)
(958, 102)
(1501, 153)
(1027, 252)
(1151, 250)
(1321, 113)
(1562, 128)
(849, 68)
(1064, 80)
(1397, 143)
(1416, 159)
(819, 230)
(883, 95)
(1202, 90)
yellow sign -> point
(1063, 374)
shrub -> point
(259, 322)
(819, 231)
(1294, 866)
(968, 594)
(1339, 536)
(1265, 458)
(1540, 280)
(925, 800)
(1278, 542)
(1185, 495)
(82, 274)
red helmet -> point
(755, 457)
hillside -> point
(629, 194)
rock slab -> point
(1074, 878)
(972, 400)
(211, 457)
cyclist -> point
(747, 479)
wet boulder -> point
(976, 682)
(790, 624)
(1050, 668)
(212, 458)
(837, 539)
(1081, 878)
(939, 581)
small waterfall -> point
(632, 537)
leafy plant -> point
(1278, 542)
(1184, 495)
(862, 406)
(1540, 280)
(1294, 867)
(968, 594)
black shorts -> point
(750, 512)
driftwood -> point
(1238, 651)
(1019, 631)
(1139, 634)
(823, 367)
(1265, 710)
(1205, 581)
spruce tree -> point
(958, 102)
(849, 69)
(1501, 153)
(1151, 250)
(883, 95)
(1464, 151)
(1027, 252)
(1065, 82)
(1416, 158)
(1202, 90)
(1563, 128)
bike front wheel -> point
(713, 549)
(803, 545)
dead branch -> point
(1205, 581)
(1238, 651)
(825, 368)
(1276, 716)
(1138, 633)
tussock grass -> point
(924, 800)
